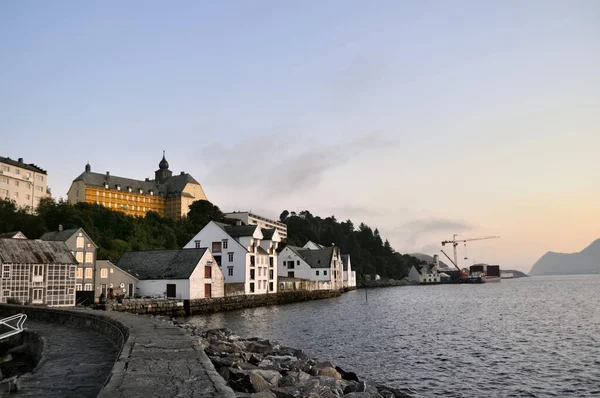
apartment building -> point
(249, 218)
(167, 194)
(84, 249)
(24, 183)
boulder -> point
(263, 394)
(258, 382)
(329, 372)
(259, 347)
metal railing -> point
(14, 324)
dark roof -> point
(268, 233)
(108, 263)
(171, 185)
(23, 251)
(26, 166)
(345, 258)
(161, 264)
(238, 230)
(260, 250)
(318, 258)
(59, 236)
(10, 235)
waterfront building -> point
(24, 183)
(424, 274)
(109, 276)
(185, 274)
(312, 245)
(349, 275)
(84, 249)
(323, 266)
(247, 255)
(37, 272)
(167, 194)
(13, 235)
(249, 218)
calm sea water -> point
(533, 337)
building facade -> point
(25, 184)
(323, 266)
(349, 275)
(185, 274)
(109, 276)
(167, 194)
(247, 255)
(37, 272)
(83, 249)
(249, 218)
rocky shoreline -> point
(258, 368)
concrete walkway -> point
(75, 362)
(161, 360)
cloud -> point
(279, 166)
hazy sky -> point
(421, 118)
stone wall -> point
(202, 306)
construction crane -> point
(463, 274)
(455, 243)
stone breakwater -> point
(259, 368)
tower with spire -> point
(163, 172)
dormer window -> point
(105, 185)
(118, 187)
(151, 193)
(141, 191)
(129, 189)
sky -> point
(421, 118)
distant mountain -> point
(516, 274)
(427, 258)
(586, 261)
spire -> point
(163, 165)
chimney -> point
(182, 173)
(60, 228)
(147, 179)
(20, 160)
(88, 168)
(107, 174)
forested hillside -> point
(115, 232)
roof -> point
(26, 166)
(260, 250)
(59, 236)
(161, 264)
(236, 231)
(108, 263)
(23, 251)
(345, 261)
(12, 235)
(318, 258)
(268, 233)
(171, 185)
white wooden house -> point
(247, 255)
(322, 266)
(185, 274)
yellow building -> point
(168, 195)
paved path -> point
(161, 360)
(76, 363)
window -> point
(38, 296)
(5, 168)
(39, 178)
(87, 287)
(317, 273)
(80, 242)
(325, 272)
(104, 273)
(40, 188)
(72, 270)
(229, 271)
(16, 183)
(112, 270)
(271, 275)
(6, 293)
(197, 243)
(252, 274)
(207, 271)
(291, 264)
(16, 194)
(230, 257)
(89, 257)
(3, 192)
(252, 287)
(28, 197)
(17, 171)
(252, 261)
(70, 290)
(38, 270)
(270, 286)
(4, 180)
(6, 272)
(225, 243)
(270, 261)
(88, 273)
(79, 273)
(79, 257)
